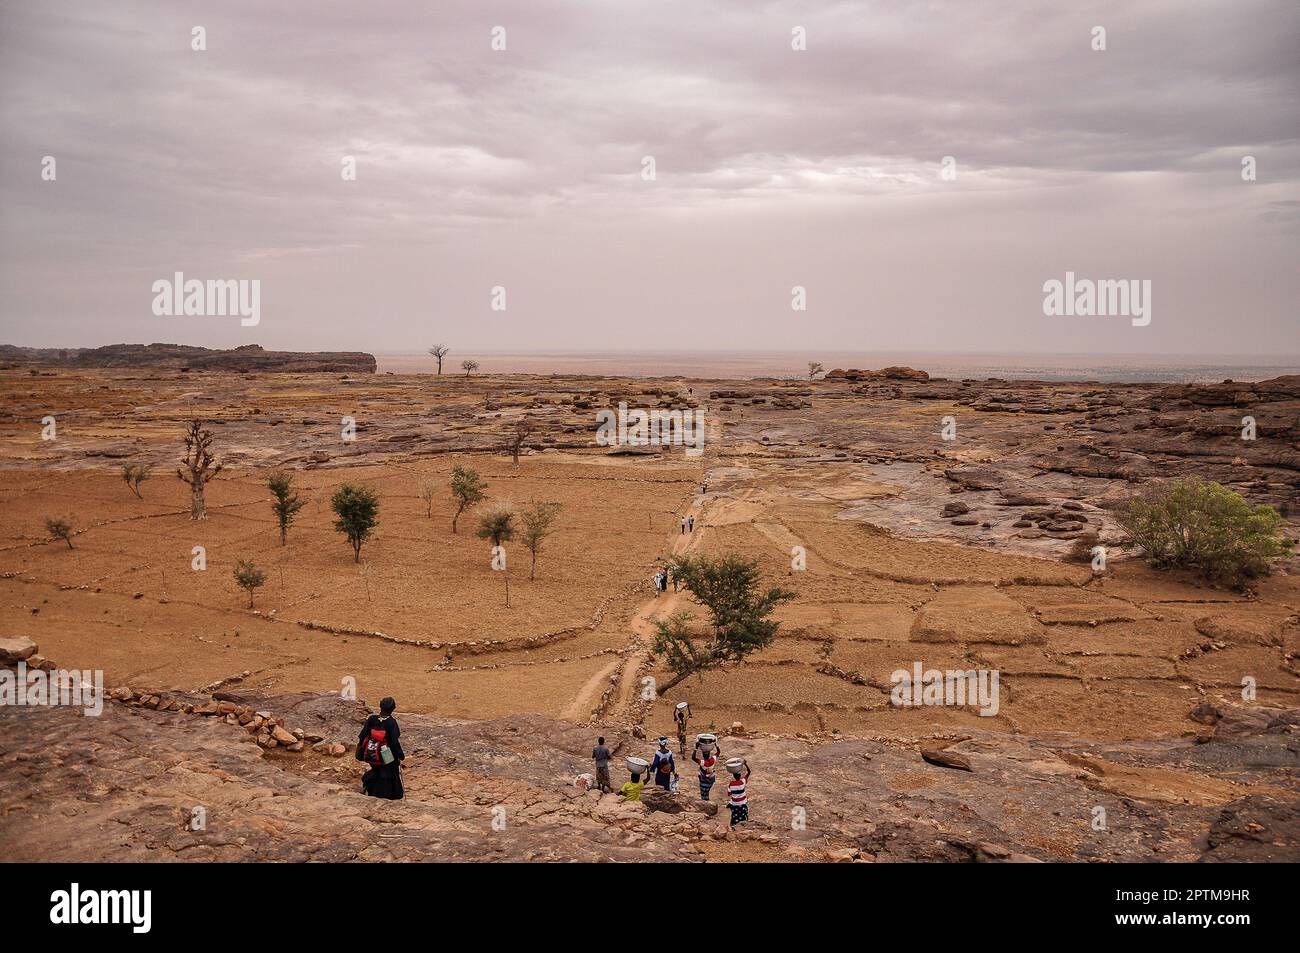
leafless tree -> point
(198, 466)
(523, 430)
(469, 367)
(439, 351)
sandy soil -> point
(1122, 654)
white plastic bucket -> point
(735, 765)
(638, 766)
(706, 742)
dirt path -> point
(642, 628)
(637, 651)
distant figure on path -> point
(600, 754)
(664, 768)
(683, 525)
(379, 746)
(680, 715)
(738, 793)
(690, 523)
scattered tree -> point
(814, 368)
(133, 474)
(249, 577)
(467, 487)
(427, 493)
(287, 503)
(198, 466)
(523, 430)
(497, 525)
(357, 509)
(439, 351)
(469, 367)
(59, 528)
(1204, 526)
(729, 588)
(538, 521)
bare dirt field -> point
(857, 477)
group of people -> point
(663, 768)
(380, 747)
(662, 578)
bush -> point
(59, 528)
(1205, 527)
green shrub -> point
(1205, 527)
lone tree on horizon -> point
(467, 487)
(249, 577)
(357, 509)
(198, 466)
(469, 367)
(439, 351)
(133, 474)
(814, 368)
(287, 502)
(538, 521)
(59, 528)
(728, 587)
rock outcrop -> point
(248, 358)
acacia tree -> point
(469, 367)
(439, 351)
(198, 466)
(814, 368)
(729, 589)
(467, 488)
(133, 474)
(287, 503)
(538, 521)
(357, 509)
(249, 577)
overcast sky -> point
(774, 168)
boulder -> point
(16, 649)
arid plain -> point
(1120, 687)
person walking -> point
(664, 768)
(708, 765)
(683, 525)
(680, 715)
(379, 746)
(738, 792)
(601, 755)
(690, 523)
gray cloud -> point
(775, 168)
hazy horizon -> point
(523, 168)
